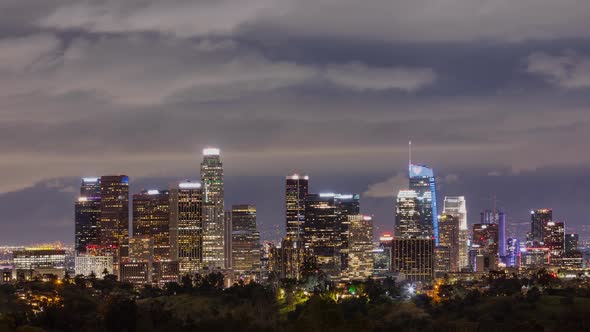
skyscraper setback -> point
(296, 187)
(114, 215)
(213, 209)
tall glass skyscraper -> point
(87, 215)
(456, 206)
(186, 226)
(114, 216)
(296, 187)
(151, 219)
(245, 240)
(213, 209)
(407, 216)
(423, 182)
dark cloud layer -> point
(333, 88)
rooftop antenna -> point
(410, 152)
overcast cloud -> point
(330, 88)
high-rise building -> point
(457, 207)
(497, 217)
(213, 210)
(287, 259)
(245, 240)
(512, 253)
(296, 188)
(485, 242)
(186, 228)
(407, 216)
(346, 205)
(227, 234)
(571, 242)
(151, 218)
(414, 258)
(539, 218)
(448, 245)
(114, 216)
(423, 182)
(360, 247)
(382, 256)
(554, 238)
(322, 231)
(87, 215)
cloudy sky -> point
(493, 93)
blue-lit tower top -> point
(423, 182)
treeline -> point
(200, 303)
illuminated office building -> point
(571, 242)
(457, 207)
(498, 218)
(512, 253)
(423, 182)
(114, 215)
(87, 215)
(382, 256)
(296, 188)
(87, 265)
(346, 205)
(151, 218)
(141, 249)
(186, 230)
(360, 247)
(322, 231)
(539, 218)
(554, 238)
(485, 242)
(287, 259)
(414, 258)
(213, 210)
(245, 240)
(448, 245)
(39, 262)
(407, 217)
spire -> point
(409, 152)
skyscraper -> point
(448, 243)
(497, 217)
(539, 218)
(245, 240)
(346, 205)
(151, 219)
(186, 227)
(114, 216)
(296, 187)
(322, 231)
(87, 215)
(485, 242)
(422, 181)
(360, 247)
(554, 238)
(213, 209)
(571, 243)
(407, 216)
(414, 258)
(457, 207)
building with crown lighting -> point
(151, 219)
(114, 216)
(296, 188)
(423, 182)
(186, 226)
(213, 213)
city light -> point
(211, 152)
